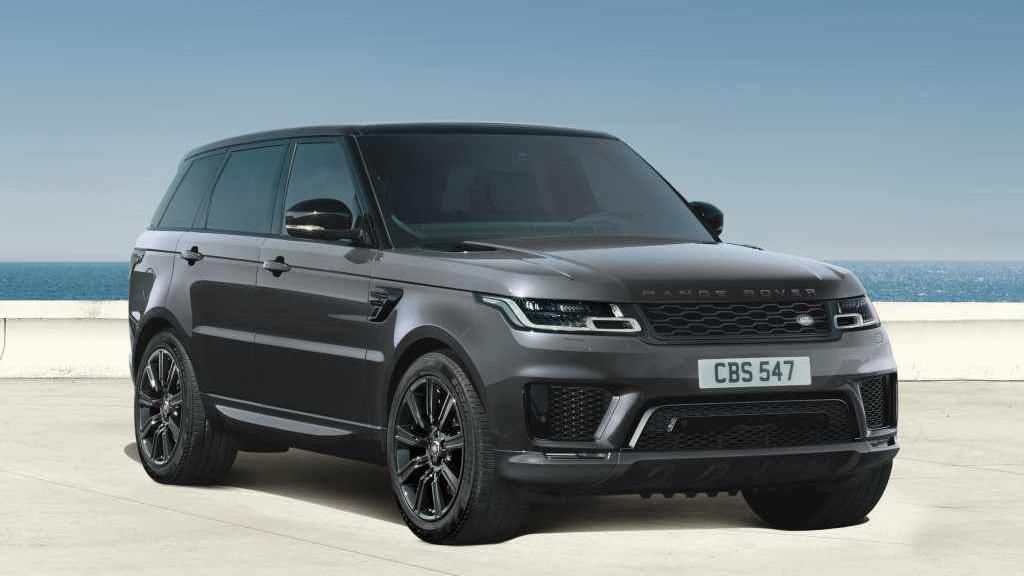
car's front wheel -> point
(825, 505)
(441, 461)
(177, 442)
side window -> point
(244, 198)
(322, 170)
(191, 192)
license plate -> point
(744, 372)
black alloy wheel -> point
(441, 459)
(177, 442)
(159, 401)
(428, 447)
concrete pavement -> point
(74, 501)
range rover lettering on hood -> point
(600, 269)
(768, 293)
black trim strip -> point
(269, 411)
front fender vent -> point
(382, 302)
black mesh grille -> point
(567, 413)
(751, 321)
(735, 425)
(878, 394)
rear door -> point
(218, 263)
(310, 344)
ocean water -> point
(934, 281)
(64, 280)
(885, 281)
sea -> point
(899, 281)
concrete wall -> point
(956, 341)
(63, 339)
(932, 341)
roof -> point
(407, 128)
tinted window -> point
(191, 192)
(451, 187)
(244, 198)
(322, 170)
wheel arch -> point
(416, 343)
(155, 321)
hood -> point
(624, 270)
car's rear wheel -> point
(177, 443)
(441, 461)
(825, 505)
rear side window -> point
(244, 198)
(191, 192)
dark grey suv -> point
(497, 313)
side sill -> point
(284, 420)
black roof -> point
(407, 128)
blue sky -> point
(873, 130)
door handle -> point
(277, 266)
(192, 255)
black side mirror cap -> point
(712, 217)
(321, 219)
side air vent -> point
(566, 413)
(879, 396)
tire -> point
(826, 505)
(482, 508)
(201, 452)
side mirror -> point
(321, 219)
(710, 215)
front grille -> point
(566, 413)
(753, 424)
(879, 396)
(739, 321)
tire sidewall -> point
(842, 502)
(455, 379)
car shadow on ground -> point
(363, 489)
(324, 480)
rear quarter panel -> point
(150, 282)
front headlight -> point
(563, 315)
(855, 313)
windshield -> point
(436, 188)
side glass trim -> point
(183, 169)
(204, 206)
(368, 189)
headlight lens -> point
(563, 315)
(856, 313)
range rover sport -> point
(497, 313)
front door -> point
(312, 317)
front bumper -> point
(641, 375)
